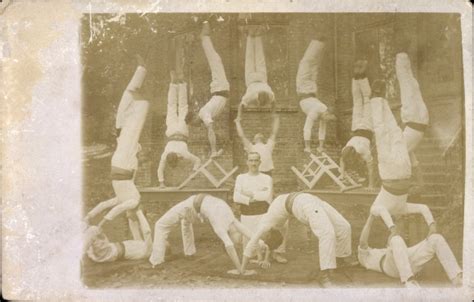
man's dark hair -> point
(348, 154)
(172, 159)
(274, 239)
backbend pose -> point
(220, 216)
(362, 132)
(414, 113)
(393, 163)
(219, 87)
(176, 127)
(102, 250)
(326, 223)
(258, 89)
(306, 88)
(131, 116)
(400, 261)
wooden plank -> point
(154, 194)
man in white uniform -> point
(398, 261)
(219, 87)
(253, 192)
(176, 127)
(102, 250)
(359, 144)
(265, 150)
(414, 113)
(394, 164)
(256, 80)
(131, 117)
(306, 88)
(200, 206)
(326, 223)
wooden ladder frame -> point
(203, 170)
(324, 164)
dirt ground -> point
(207, 268)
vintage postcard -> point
(224, 150)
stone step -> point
(434, 177)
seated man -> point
(102, 250)
(306, 88)
(219, 87)
(220, 216)
(131, 116)
(359, 144)
(394, 164)
(258, 89)
(398, 261)
(331, 228)
(414, 113)
(176, 126)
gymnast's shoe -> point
(412, 284)
(325, 280)
(346, 262)
(279, 258)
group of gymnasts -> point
(262, 230)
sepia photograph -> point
(241, 150)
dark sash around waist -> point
(289, 202)
(121, 174)
(398, 187)
(198, 199)
(303, 96)
(224, 93)
(363, 133)
(254, 208)
(417, 126)
(178, 137)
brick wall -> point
(284, 46)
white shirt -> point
(370, 258)
(254, 89)
(179, 147)
(265, 151)
(212, 109)
(220, 217)
(125, 155)
(362, 146)
(261, 185)
(127, 98)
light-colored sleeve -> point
(162, 165)
(266, 193)
(238, 196)
(253, 243)
(144, 226)
(417, 208)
